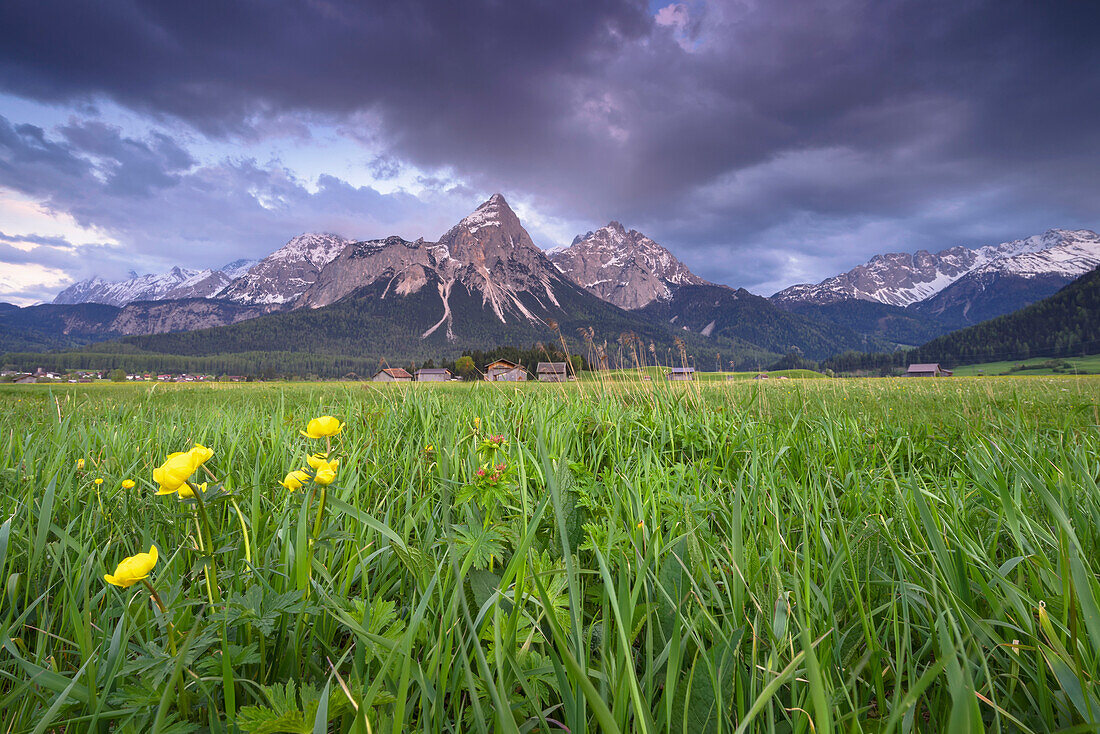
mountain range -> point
(485, 283)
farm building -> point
(681, 374)
(552, 372)
(504, 371)
(392, 374)
(433, 375)
(927, 370)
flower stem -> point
(163, 610)
(244, 530)
(208, 551)
(184, 706)
(320, 513)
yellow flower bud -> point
(133, 569)
(80, 463)
(127, 483)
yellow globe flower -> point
(174, 472)
(133, 569)
(127, 483)
(295, 479)
(326, 425)
(80, 463)
(99, 480)
(324, 477)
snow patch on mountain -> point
(287, 273)
(176, 283)
(902, 279)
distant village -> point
(77, 376)
(501, 370)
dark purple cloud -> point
(759, 140)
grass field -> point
(794, 556)
(633, 376)
(1089, 365)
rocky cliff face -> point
(623, 267)
(157, 317)
(901, 279)
(284, 275)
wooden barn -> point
(433, 375)
(681, 374)
(932, 369)
(552, 372)
(505, 371)
(392, 374)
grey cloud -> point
(735, 129)
(173, 211)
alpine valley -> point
(614, 294)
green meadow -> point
(863, 555)
(1088, 365)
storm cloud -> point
(764, 143)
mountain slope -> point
(287, 273)
(1010, 283)
(716, 310)
(902, 279)
(61, 326)
(880, 322)
(623, 267)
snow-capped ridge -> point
(903, 279)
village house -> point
(392, 374)
(429, 374)
(932, 369)
(679, 374)
(552, 372)
(504, 371)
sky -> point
(764, 143)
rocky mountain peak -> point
(487, 254)
(623, 266)
(284, 275)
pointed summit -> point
(623, 267)
(494, 212)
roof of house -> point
(502, 363)
(551, 367)
(929, 367)
(682, 370)
(395, 372)
(433, 371)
